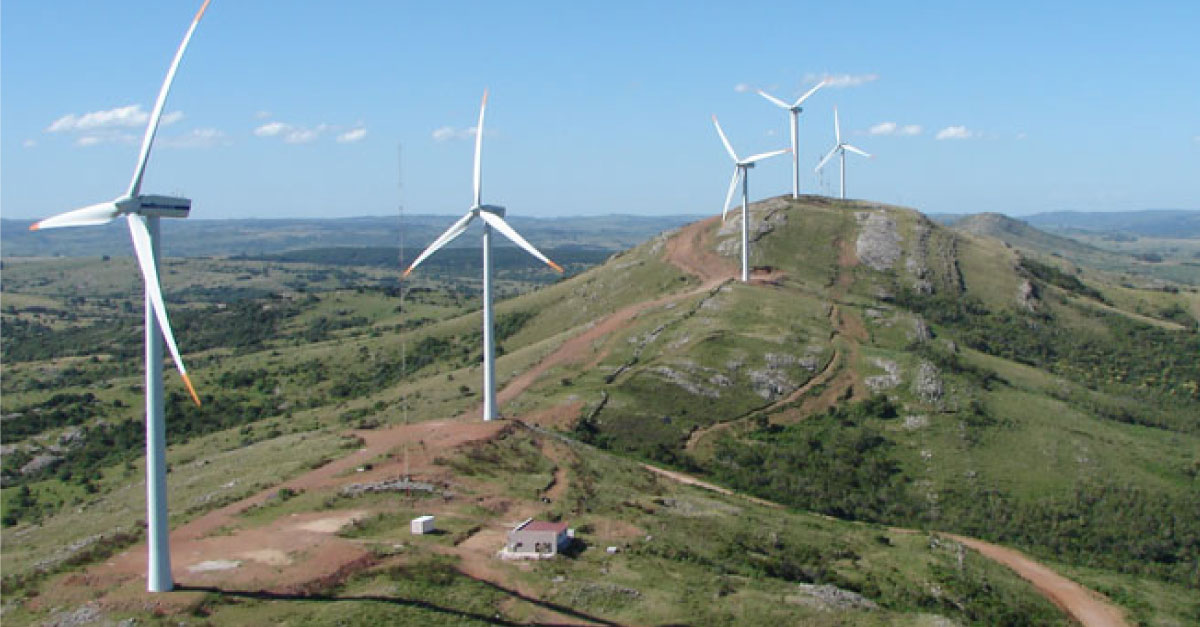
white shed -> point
(422, 525)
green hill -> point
(880, 369)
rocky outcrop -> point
(1027, 296)
(915, 264)
(687, 380)
(878, 244)
(879, 383)
(927, 384)
(829, 597)
(921, 332)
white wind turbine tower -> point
(142, 212)
(741, 169)
(493, 218)
(795, 110)
(841, 147)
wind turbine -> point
(493, 218)
(795, 110)
(741, 169)
(841, 147)
(142, 212)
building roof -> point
(541, 525)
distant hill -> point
(1171, 256)
(1020, 234)
(1175, 223)
(259, 237)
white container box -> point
(422, 525)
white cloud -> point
(955, 132)
(1022, 135)
(352, 135)
(883, 128)
(842, 80)
(447, 133)
(197, 138)
(1196, 139)
(271, 129)
(891, 128)
(262, 115)
(106, 136)
(295, 134)
(29, 143)
(120, 117)
(742, 88)
(303, 135)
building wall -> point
(529, 541)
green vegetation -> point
(1065, 426)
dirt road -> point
(1082, 604)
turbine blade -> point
(724, 140)
(478, 178)
(737, 171)
(454, 231)
(773, 99)
(498, 223)
(144, 250)
(135, 185)
(837, 128)
(826, 159)
(763, 155)
(809, 93)
(91, 215)
(854, 149)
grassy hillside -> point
(879, 369)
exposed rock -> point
(71, 436)
(878, 243)
(40, 462)
(684, 381)
(829, 597)
(769, 222)
(83, 615)
(390, 485)
(1027, 296)
(915, 264)
(921, 332)
(879, 383)
(770, 384)
(927, 385)
(916, 422)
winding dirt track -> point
(1084, 605)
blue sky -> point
(289, 109)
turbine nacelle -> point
(153, 205)
(495, 210)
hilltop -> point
(880, 371)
